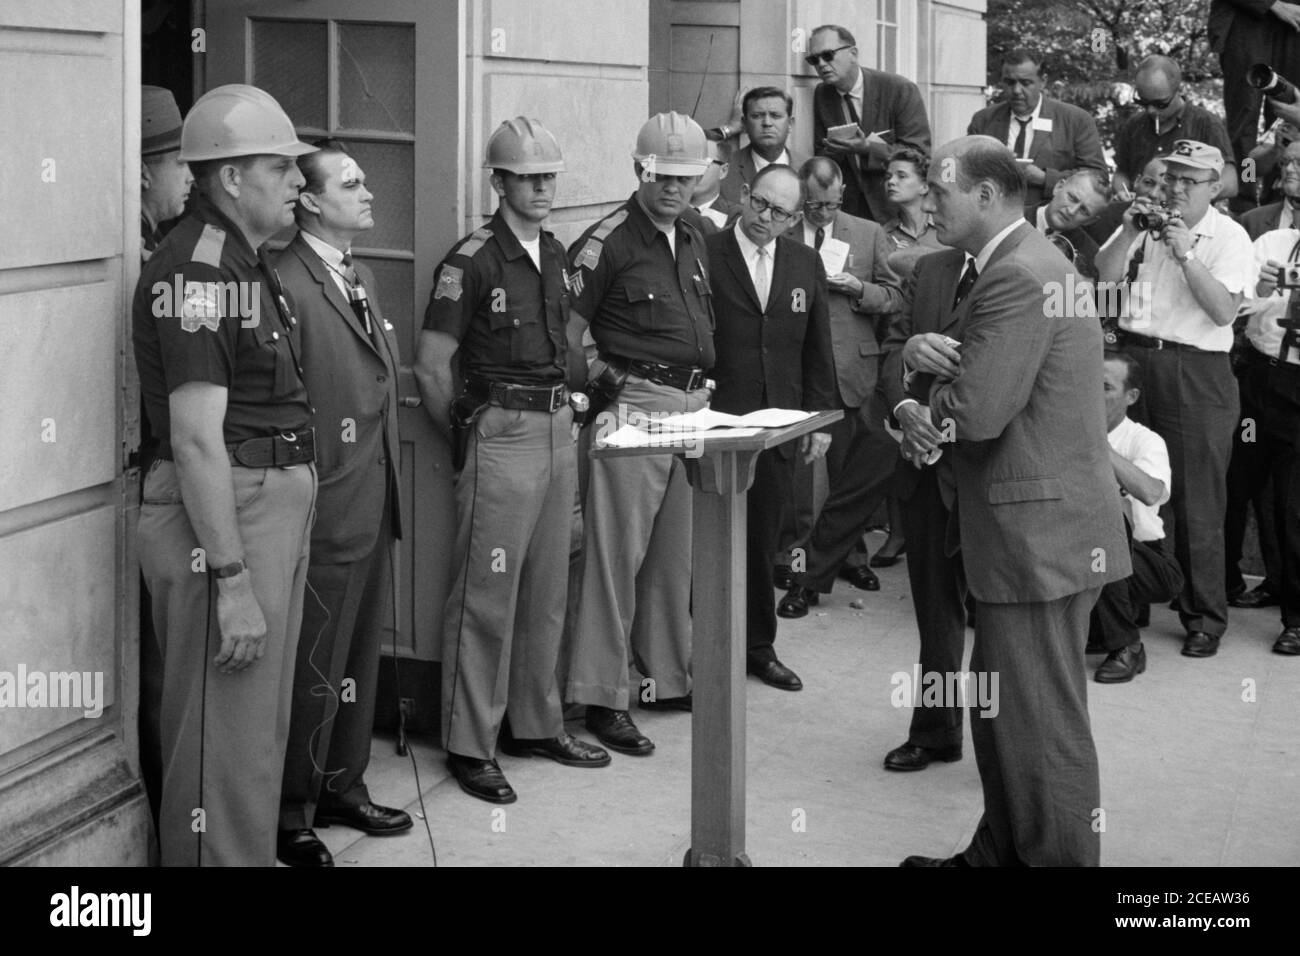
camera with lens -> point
(1288, 277)
(1154, 219)
(1262, 78)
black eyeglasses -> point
(1186, 182)
(825, 56)
(1154, 104)
(761, 205)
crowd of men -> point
(906, 284)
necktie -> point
(357, 293)
(964, 284)
(1019, 148)
(853, 118)
(819, 238)
(762, 284)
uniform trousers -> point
(1037, 761)
(636, 573)
(347, 611)
(505, 612)
(939, 599)
(224, 735)
(1190, 400)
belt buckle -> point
(557, 398)
(693, 382)
(1159, 344)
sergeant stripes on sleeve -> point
(589, 256)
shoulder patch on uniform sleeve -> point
(474, 243)
(589, 256)
(449, 283)
(201, 307)
(208, 249)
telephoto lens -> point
(1262, 78)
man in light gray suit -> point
(1037, 509)
(864, 295)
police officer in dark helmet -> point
(641, 279)
(224, 528)
(492, 364)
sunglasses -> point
(1154, 104)
(825, 56)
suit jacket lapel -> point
(1004, 248)
(1000, 128)
(320, 272)
(736, 263)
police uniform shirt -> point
(508, 318)
(642, 302)
(207, 309)
(1262, 325)
(1145, 450)
(1163, 305)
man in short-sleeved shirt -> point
(499, 312)
(225, 524)
(1166, 117)
(641, 279)
(1186, 283)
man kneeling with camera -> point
(1187, 270)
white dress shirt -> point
(1166, 308)
(749, 251)
(1013, 129)
(1262, 328)
(332, 258)
(1145, 450)
(760, 162)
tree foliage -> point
(1091, 49)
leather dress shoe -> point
(1288, 642)
(614, 729)
(775, 674)
(911, 757)
(1200, 644)
(1258, 596)
(368, 817)
(796, 602)
(958, 860)
(1122, 665)
(668, 703)
(782, 577)
(301, 848)
(564, 748)
(861, 577)
(481, 778)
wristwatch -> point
(229, 570)
(1187, 256)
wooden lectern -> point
(721, 469)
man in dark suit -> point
(767, 115)
(926, 494)
(863, 292)
(708, 211)
(773, 342)
(1048, 137)
(349, 361)
(887, 109)
(1037, 507)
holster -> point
(603, 387)
(465, 410)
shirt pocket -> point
(273, 352)
(645, 304)
(516, 329)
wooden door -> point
(383, 77)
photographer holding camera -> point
(1187, 272)
(1270, 395)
